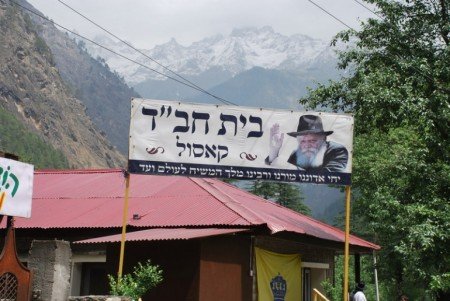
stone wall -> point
(50, 262)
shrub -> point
(144, 277)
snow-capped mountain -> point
(239, 51)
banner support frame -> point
(347, 238)
(124, 223)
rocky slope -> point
(103, 92)
(106, 97)
(32, 90)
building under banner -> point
(206, 235)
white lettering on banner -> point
(334, 179)
(236, 173)
(211, 172)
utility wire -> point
(118, 54)
(366, 7)
(443, 89)
(144, 54)
(330, 14)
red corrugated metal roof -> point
(95, 199)
(163, 234)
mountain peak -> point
(243, 49)
(245, 31)
(173, 42)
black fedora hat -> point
(360, 286)
(309, 124)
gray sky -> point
(146, 23)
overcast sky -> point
(146, 23)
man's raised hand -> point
(276, 141)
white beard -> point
(317, 160)
(312, 161)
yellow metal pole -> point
(347, 238)
(124, 224)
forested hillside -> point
(29, 146)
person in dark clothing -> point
(314, 153)
(358, 294)
(403, 298)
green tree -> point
(333, 287)
(285, 194)
(264, 189)
(398, 89)
(290, 196)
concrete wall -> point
(50, 262)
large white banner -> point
(197, 140)
(16, 188)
